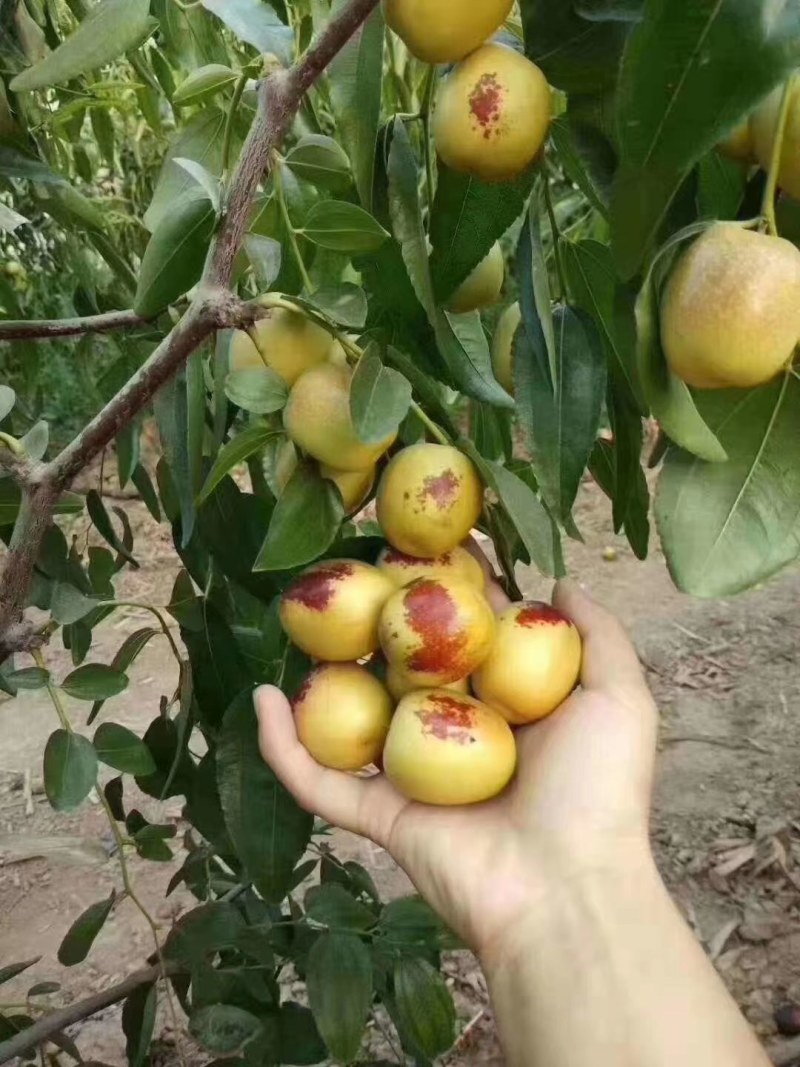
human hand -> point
(578, 804)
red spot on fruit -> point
(433, 616)
(305, 689)
(315, 589)
(442, 489)
(449, 719)
(486, 102)
(536, 613)
(400, 559)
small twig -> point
(771, 188)
(723, 742)
(56, 1021)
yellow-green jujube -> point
(483, 286)
(764, 123)
(503, 347)
(399, 685)
(429, 499)
(288, 343)
(446, 748)
(534, 663)
(739, 144)
(457, 563)
(343, 714)
(444, 31)
(730, 315)
(317, 418)
(492, 114)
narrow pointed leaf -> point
(81, 935)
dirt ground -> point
(726, 824)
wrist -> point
(576, 889)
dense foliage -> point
(120, 124)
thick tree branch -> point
(55, 1021)
(214, 307)
(44, 329)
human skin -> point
(553, 883)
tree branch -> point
(45, 329)
(55, 1021)
(214, 307)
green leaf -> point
(126, 654)
(669, 398)
(94, 681)
(200, 139)
(174, 259)
(343, 227)
(727, 526)
(11, 220)
(28, 678)
(379, 399)
(17, 164)
(204, 83)
(355, 79)
(68, 604)
(81, 935)
(339, 981)
(424, 1006)
(223, 1028)
(331, 905)
(8, 399)
(111, 28)
(70, 769)
(320, 161)
(535, 299)
(150, 844)
(577, 55)
(345, 304)
(120, 748)
(258, 390)
(679, 94)
(138, 1023)
(245, 444)
(587, 157)
(524, 509)
(11, 970)
(172, 415)
(205, 181)
(270, 845)
(104, 526)
(254, 22)
(304, 524)
(299, 1038)
(468, 217)
(141, 479)
(561, 418)
(592, 281)
(720, 186)
(266, 256)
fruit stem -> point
(556, 238)
(427, 110)
(768, 207)
(277, 180)
(236, 99)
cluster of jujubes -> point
(402, 645)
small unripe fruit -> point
(429, 498)
(400, 686)
(457, 563)
(317, 418)
(332, 610)
(493, 114)
(355, 486)
(739, 144)
(764, 124)
(288, 343)
(448, 749)
(436, 631)
(343, 714)
(730, 317)
(503, 347)
(483, 286)
(534, 664)
(444, 31)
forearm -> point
(608, 973)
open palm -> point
(581, 792)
